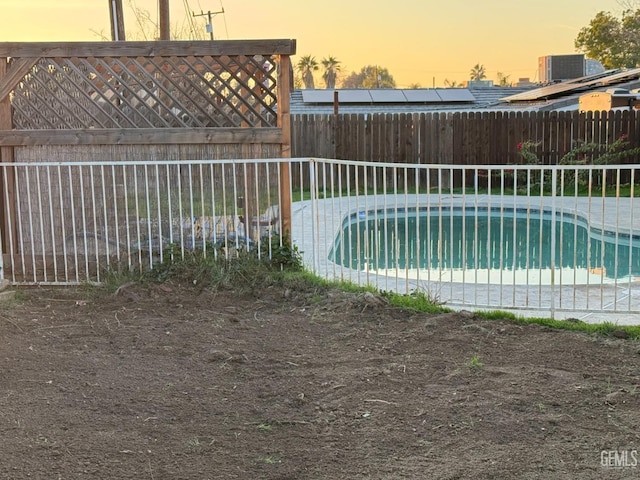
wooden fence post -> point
(7, 198)
(284, 122)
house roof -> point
(358, 101)
(556, 97)
(582, 84)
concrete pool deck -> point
(316, 224)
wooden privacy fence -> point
(465, 138)
(142, 101)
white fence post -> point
(554, 180)
(314, 211)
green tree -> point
(306, 66)
(612, 41)
(331, 67)
(478, 72)
(370, 76)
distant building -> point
(525, 82)
(478, 83)
(555, 68)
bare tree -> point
(629, 4)
(146, 28)
(370, 76)
(503, 80)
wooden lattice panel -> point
(147, 92)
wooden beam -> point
(14, 74)
(147, 49)
(139, 136)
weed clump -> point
(237, 266)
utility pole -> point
(209, 16)
(165, 26)
(117, 20)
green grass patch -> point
(474, 363)
(417, 302)
(113, 278)
(264, 427)
(604, 329)
(244, 272)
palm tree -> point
(478, 72)
(331, 68)
(451, 83)
(306, 66)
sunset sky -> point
(418, 41)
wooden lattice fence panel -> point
(125, 92)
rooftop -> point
(554, 97)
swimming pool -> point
(487, 245)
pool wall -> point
(506, 241)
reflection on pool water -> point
(485, 246)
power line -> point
(192, 23)
(225, 20)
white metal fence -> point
(66, 223)
(553, 239)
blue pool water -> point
(457, 239)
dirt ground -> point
(166, 382)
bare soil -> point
(166, 382)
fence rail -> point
(558, 239)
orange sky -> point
(418, 41)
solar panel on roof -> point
(545, 92)
(422, 96)
(455, 95)
(594, 76)
(355, 96)
(556, 89)
(583, 83)
(619, 77)
(387, 95)
(317, 96)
